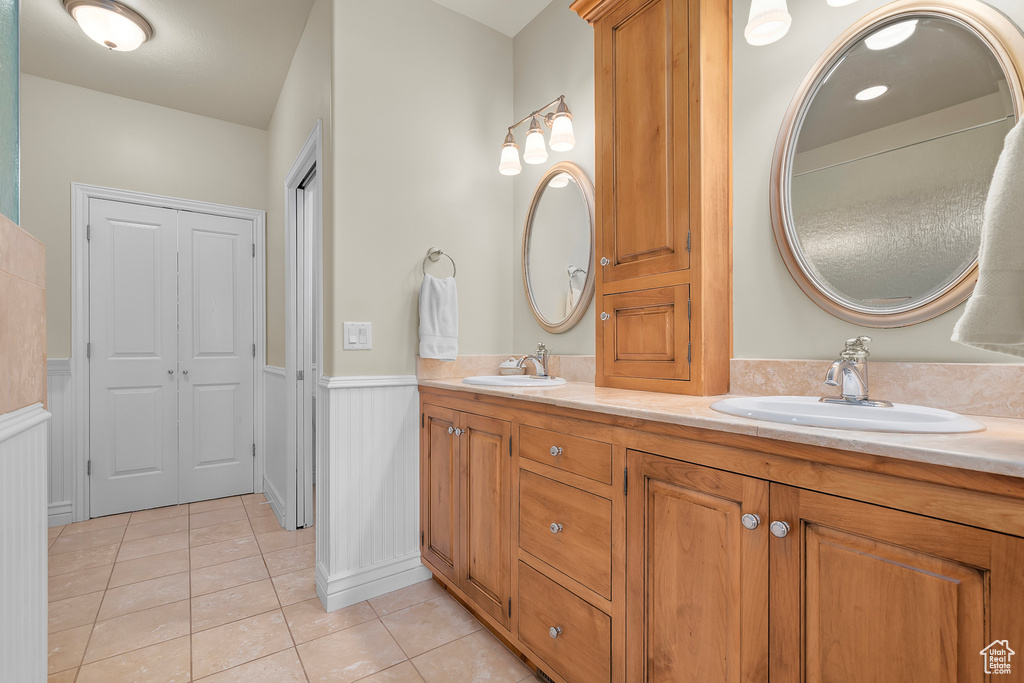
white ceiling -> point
(507, 16)
(226, 59)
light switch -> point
(358, 336)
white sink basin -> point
(514, 381)
(810, 412)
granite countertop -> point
(997, 450)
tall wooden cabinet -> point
(664, 112)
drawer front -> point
(582, 547)
(582, 651)
(590, 459)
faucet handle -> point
(541, 350)
(856, 349)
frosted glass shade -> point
(109, 29)
(536, 151)
(509, 164)
(560, 180)
(562, 137)
(840, 3)
(769, 20)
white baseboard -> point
(275, 499)
(371, 582)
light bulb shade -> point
(562, 137)
(768, 21)
(892, 35)
(110, 23)
(536, 151)
(840, 3)
(559, 181)
(509, 164)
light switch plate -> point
(358, 336)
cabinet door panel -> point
(647, 333)
(439, 491)
(486, 573)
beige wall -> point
(71, 134)
(772, 317)
(422, 96)
(305, 97)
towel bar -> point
(434, 255)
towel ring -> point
(434, 255)
(574, 271)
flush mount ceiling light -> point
(768, 21)
(872, 92)
(891, 35)
(109, 23)
(562, 137)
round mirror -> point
(558, 248)
(885, 158)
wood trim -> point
(592, 10)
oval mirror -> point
(558, 248)
(885, 157)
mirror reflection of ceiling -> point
(941, 65)
(505, 16)
(226, 59)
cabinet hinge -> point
(689, 309)
(689, 353)
(298, 375)
(88, 349)
(510, 608)
(625, 481)
(510, 447)
(253, 350)
(421, 538)
(88, 468)
(254, 450)
(254, 250)
(687, 241)
(88, 233)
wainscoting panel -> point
(275, 433)
(23, 584)
(367, 516)
(62, 442)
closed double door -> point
(171, 356)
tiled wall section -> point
(22, 318)
(972, 388)
(572, 368)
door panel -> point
(133, 438)
(215, 356)
(647, 333)
(439, 490)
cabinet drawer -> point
(582, 547)
(581, 652)
(590, 459)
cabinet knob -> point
(556, 451)
(779, 529)
(555, 527)
(184, 372)
(605, 261)
(170, 372)
(554, 631)
(451, 430)
(459, 432)
(750, 521)
(605, 316)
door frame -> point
(308, 160)
(81, 194)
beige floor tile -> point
(308, 620)
(168, 662)
(295, 586)
(138, 630)
(351, 654)
(82, 559)
(54, 531)
(230, 645)
(110, 522)
(265, 524)
(279, 540)
(282, 667)
(254, 499)
(430, 624)
(158, 527)
(219, 532)
(227, 575)
(89, 539)
(406, 597)
(216, 504)
(71, 612)
(65, 648)
(226, 551)
(259, 510)
(400, 673)
(78, 583)
(136, 597)
(222, 516)
(150, 567)
(240, 602)
(155, 545)
(477, 657)
(291, 559)
(49, 543)
(158, 513)
(68, 676)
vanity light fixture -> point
(109, 23)
(768, 21)
(559, 181)
(891, 35)
(872, 92)
(562, 137)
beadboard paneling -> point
(62, 442)
(367, 488)
(23, 584)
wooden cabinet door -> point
(642, 97)
(864, 593)
(439, 490)
(485, 573)
(647, 333)
(698, 579)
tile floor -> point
(217, 591)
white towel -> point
(439, 318)
(572, 296)
(994, 317)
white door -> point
(216, 356)
(133, 339)
(308, 222)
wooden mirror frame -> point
(587, 191)
(1005, 41)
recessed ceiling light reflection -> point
(891, 35)
(872, 92)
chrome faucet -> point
(850, 371)
(540, 360)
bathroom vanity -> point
(615, 535)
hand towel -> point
(994, 317)
(439, 318)
(572, 296)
